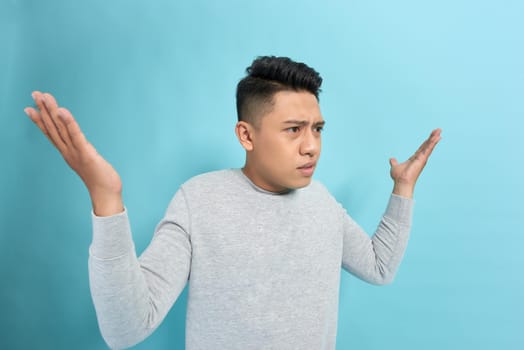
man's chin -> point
(301, 184)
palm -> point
(93, 169)
(407, 173)
(59, 126)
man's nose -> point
(310, 144)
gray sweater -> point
(263, 268)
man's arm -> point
(377, 259)
(131, 295)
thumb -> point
(393, 162)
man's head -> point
(279, 123)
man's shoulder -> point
(211, 179)
(211, 175)
(317, 188)
(316, 185)
(327, 197)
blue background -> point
(152, 85)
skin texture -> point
(281, 152)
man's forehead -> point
(292, 105)
(294, 97)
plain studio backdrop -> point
(152, 84)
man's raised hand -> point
(405, 174)
(59, 126)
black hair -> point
(268, 75)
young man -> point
(261, 246)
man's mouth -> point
(307, 169)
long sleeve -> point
(376, 259)
(133, 295)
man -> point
(261, 246)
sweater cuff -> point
(400, 209)
(111, 236)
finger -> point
(435, 135)
(34, 115)
(50, 126)
(36, 118)
(75, 134)
(427, 147)
(52, 107)
(432, 141)
(393, 162)
(436, 132)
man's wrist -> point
(404, 190)
(107, 204)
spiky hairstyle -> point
(268, 75)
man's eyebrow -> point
(303, 122)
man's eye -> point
(319, 129)
(293, 129)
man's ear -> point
(244, 133)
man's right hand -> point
(59, 126)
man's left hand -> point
(405, 174)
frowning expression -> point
(285, 145)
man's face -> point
(286, 144)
